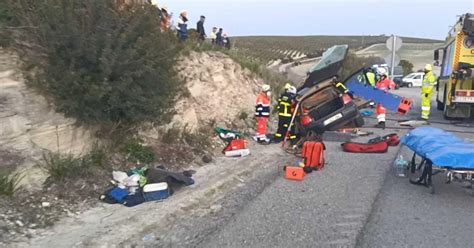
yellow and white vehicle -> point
(455, 88)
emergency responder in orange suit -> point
(262, 113)
(386, 84)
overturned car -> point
(323, 104)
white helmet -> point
(292, 90)
(381, 71)
(265, 87)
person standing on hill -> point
(219, 40)
(200, 29)
(213, 36)
(165, 20)
(429, 81)
(262, 113)
(227, 43)
(182, 26)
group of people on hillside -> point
(218, 37)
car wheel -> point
(410, 85)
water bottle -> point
(399, 166)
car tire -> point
(409, 85)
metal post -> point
(393, 56)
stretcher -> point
(390, 101)
(440, 152)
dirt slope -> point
(29, 126)
(219, 90)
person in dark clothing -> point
(285, 113)
(219, 38)
(200, 29)
(227, 43)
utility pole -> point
(392, 68)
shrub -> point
(243, 115)
(407, 66)
(136, 151)
(61, 167)
(97, 62)
(9, 183)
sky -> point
(413, 18)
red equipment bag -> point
(313, 154)
(379, 147)
(235, 144)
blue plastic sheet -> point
(444, 149)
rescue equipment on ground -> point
(313, 154)
(294, 173)
(354, 147)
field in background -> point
(418, 54)
(289, 48)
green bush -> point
(9, 183)
(136, 151)
(407, 66)
(98, 63)
(61, 167)
(243, 115)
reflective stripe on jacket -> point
(262, 108)
(284, 105)
(429, 81)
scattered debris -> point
(46, 204)
(142, 184)
(413, 123)
(236, 145)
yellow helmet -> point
(265, 87)
(287, 86)
(428, 67)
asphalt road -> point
(355, 201)
(405, 215)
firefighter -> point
(383, 84)
(262, 114)
(429, 81)
(285, 112)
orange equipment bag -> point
(405, 106)
(235, 144)
(313, 154)
(294, 173)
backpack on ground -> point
(313, 154)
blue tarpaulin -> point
(444, 149)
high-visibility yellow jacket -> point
(429, 81)
(371, 77)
